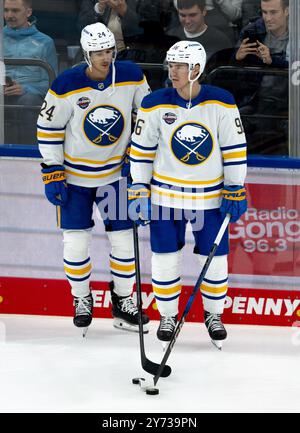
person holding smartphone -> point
(265, 43)
(266, 39)
(26, 85)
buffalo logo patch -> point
(103, 125)
(192, 143)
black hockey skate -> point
(215, 328)
(125, 312)
(83, 312)
(166, 329)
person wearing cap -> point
(188, 164)
(84, 128)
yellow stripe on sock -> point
(118, 267)
(170, 291)
(215, 290)
(78, 271)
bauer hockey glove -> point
(234, 202)
(56, 189)
(139, 203)
(125, 171)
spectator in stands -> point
(250, 11)
(119, 16)
(221, 14)
(192, 15)
(263, 43)
(26, 85)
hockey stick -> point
(190, 301)
(148, 366)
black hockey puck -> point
(152, 391)
(136, 381)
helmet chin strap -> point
(191, 86)
(87, 57)
(113, 73)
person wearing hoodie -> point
(25, 85)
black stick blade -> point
(152, 368)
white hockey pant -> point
(166, 282)
(77, 263)
(122, 264)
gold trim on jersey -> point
(213, 101)
(130, 83)
(146, 110)
(142, 154)
(178, 195)
(92, 176)
(89, 161)
(234, 155)
(73, 92)
(188, 182)
(210, 102)
(51, 135)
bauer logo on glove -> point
(234, 202)
(56, 188)
(54, 177)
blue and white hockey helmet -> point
(192, 53)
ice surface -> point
(46, 366)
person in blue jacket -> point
(25, 85)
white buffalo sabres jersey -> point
(85, 125)
(188, 154)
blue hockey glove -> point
(234, 202)
(139, 203)
(125, 171)
(56, 189)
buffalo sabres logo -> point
(103, 125)
(192, 143)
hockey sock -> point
(166, 282)
(215, 284)
(77, 263)
(122, 264)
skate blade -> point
(218, 344)
(164, 345)
(85, 331)
(125, 326)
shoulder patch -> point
(127, 71)
(214, 93)
(70, 80)
(159, 97)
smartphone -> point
(252, 35)
(8, 81)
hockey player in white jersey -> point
(84, 129)
(188, 154)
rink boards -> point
(264, 283)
